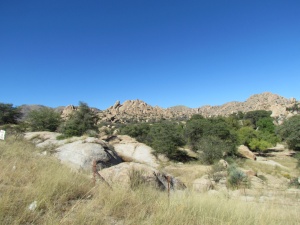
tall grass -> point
(66, 197)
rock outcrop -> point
(131, 150)
(128, 173)
(77, 152)
(137, 110)
(245, 152)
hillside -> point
(141, 111)
(138, 110)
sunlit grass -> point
(66, 197)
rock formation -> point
(137, 110)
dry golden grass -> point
(66, 197)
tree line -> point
(212, 138)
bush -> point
(165, 138)
(289, 131)
(212, 149)
(256, 115)
(80, 121)
(9, 114)
(44, 119)
(237, 178)
(259, 145)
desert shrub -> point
(236, 178)
(259, 145)
(289, 131)
(216, 172)
(44, 119)
(211, 149)
(199, 127)
(81, 121)
(138, 131)
(165, 138)
(9, 114)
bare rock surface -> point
(77, 152)
(122, 174)
(131, 150)
(245, 152)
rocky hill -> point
(137, 110)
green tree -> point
(9, 114)
(81, 121)
(212, 149)
(245, 135)
(256, 115)
(44, 119)
(289, 131)
(165, 138)
(266, 125)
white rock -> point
(32, 206)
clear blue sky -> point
(166, 53)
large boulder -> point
(245, 152)
(131, 150)
(77, 152)
(126, 173)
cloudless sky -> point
(166, 53)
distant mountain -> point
(25, 109)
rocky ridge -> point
(137, 110)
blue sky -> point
(166, 53)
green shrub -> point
(289, 131)
(9, 114)
(259, 145)
(80, 122)
(237, 178)
(44, 119)
(212, 149)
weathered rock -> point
(48, 139)
(245, 152)
(131, 150)
(80, 154)
(125, 173)
(249, 173)
(223, 163)
(203, 184)
(77, 152)
(270, 162)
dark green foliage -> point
(212, 149)
(80, 122)
(197, 128)
(194, 130)
(138, 131)
(289, 131)
(9, 114)
(44, 119)
(165, 138)
(266, 125)
(255, 116)
(258, 140)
